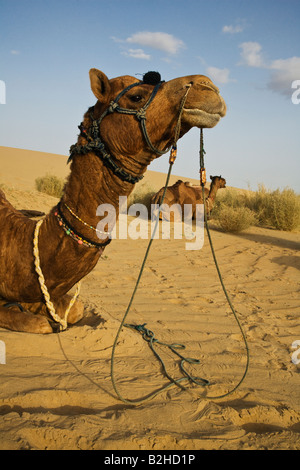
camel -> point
(184, 193)
(131, 123)
(217, 182)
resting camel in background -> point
(184, 193)
(112, 153)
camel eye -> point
(136, 98)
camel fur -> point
(64, 261)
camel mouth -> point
(200, 118)
(197, 117)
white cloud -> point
(115, 39)
(14, 52)
(283, 73)
(137, 54)
(157, 40)
(232, 29)
(251, 54)
(219, 75)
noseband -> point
(93, 136)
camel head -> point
(218, 181)
(125, 105)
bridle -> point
(94, 143)
(93, 135)
(140, 114)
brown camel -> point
(113, 150)
(217, 182)
(184, 193)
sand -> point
(56, 390)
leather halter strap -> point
(95, 143)
(140, 113)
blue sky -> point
(251, 50)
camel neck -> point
(90, 185)
(213, 191)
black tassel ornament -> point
(151, 78)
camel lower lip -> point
(200, 118)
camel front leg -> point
(35, 317)
(76, 311)
(12, 318)
(60, 305)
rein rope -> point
(148, 335)
(95, 144)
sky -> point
(250, 49)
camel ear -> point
(211, 177)
(99, 84)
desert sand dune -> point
(56, 390)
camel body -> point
(63, 260)
(183, 193)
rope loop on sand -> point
(148, 335)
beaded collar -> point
(69, 230)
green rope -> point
(148, 335)
(202, 152)
(131, 300)
(231, 307)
